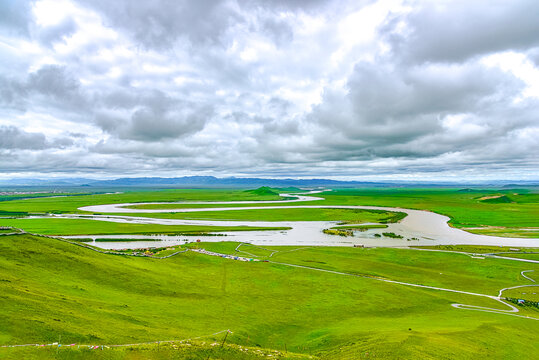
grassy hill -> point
(263, 191)
(500, 199)
(51, 289)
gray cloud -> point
(52, 34)
(12, 94)
(52, 85)
(15, 16)
(13, 138)
(155, 124)
(152, 116)
(455, 31)
(54, 81)
(203, 22)
(533, 54)
(160, 24)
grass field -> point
(351, 216)
(478, 249)
(192, 350)
(463, 207)
(427, 268)
(70, 204)
(50, 289)
(7, 231)
(528, 293)
(37, 195)
(93, 227)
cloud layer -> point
(368, 90)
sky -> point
(364, 90)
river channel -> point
(417, 228)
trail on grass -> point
(511, 311)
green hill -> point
(502, 199)
(54, 291)
(263, 191)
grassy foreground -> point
(193, 350)
(49, 289)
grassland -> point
(192, 350)
(463, 207)
(528, 255)
(71, 204)
(360, 227)
(504, 232)
(347, 216)
(478, 249)
(11, 197)
(93, 227)
(427, 268)
(49, 289)
(8, 231)
(527, 293)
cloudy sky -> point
(391, 89)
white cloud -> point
(387, 88)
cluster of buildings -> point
(227, 256)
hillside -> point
(51, 291)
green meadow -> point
(463, 206)
(455, 271)
(305, 214)
(51, 290)
(56, 226)
(70, 204)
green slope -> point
(49, 289)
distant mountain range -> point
(187, 181)
(235, 182)
(211, 181)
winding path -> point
(511, 311)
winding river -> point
(417, 228)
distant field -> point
(505, 232)
(478, 249)
(12, 197)
(93, 227)
(528, 293)
(530, 256)
(352, 216)
(463, 207)
(50, 289)
(72, 203)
